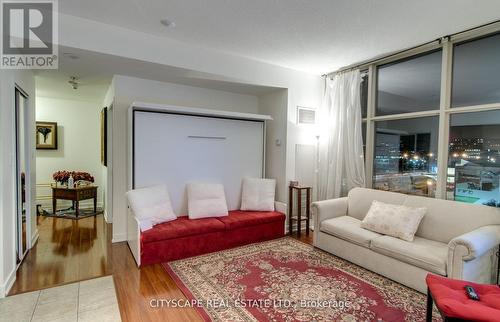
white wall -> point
(130, 89)
(8, 79)
(79, 143)
(275, 104)
(303, 92)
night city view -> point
(474, 164)
(407, 162)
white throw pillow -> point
(258, 194)
(151, 205)
(393, 220)
(206, 200)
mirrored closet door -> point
(22, 153)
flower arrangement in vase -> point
(79, 177)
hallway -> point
(67, 251)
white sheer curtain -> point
(341, 164)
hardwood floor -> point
(77, 251)
(136, 288)
(66, 251)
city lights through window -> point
(406, 156)
(474, 158)
(414, 102)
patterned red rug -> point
(287, 280)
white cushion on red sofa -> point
(258, 194)
(206, 200)
(151, 205)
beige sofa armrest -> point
(327, 209)
(475, 243)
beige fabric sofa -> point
(454, 239)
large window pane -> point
(474, 158)
(411, 85)
(476, 68)
(405, 157)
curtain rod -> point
(383, 57)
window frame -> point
(445, 110)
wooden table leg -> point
(299, 210)
(498, 265)
(54, 205)
(428, 317)
(95, 205)
(290, 210)
(77, 210)
(308, 210)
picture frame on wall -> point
(104, 136)
(46, 135)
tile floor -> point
(91, 300)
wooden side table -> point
(75, 195)
(299, 218)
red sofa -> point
(185, 237)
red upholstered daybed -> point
(185, 237)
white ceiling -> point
(95, 72)
(315, 36)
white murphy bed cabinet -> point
(177, 145)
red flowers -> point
(63, 176)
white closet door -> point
(178, 149)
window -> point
(405, 155)
(404, 148)
(411, 85)
(473, 174)
(476, 67)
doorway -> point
(67, 134)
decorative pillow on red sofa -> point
(151, 205)
(206, 200)
(258, 194)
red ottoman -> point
(454, 304)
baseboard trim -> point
(106, 217)
(119, 238)
(88, 203)
(5, 288)
(34, 238)
(303, 227)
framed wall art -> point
(46, 135)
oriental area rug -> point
(287, 280)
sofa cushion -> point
(360, 200)
(182, 227)
(348, 228)
(447, 219)
(453, 302)
(426, 254)
(238, 218)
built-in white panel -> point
(305, 164)
(178, 149)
